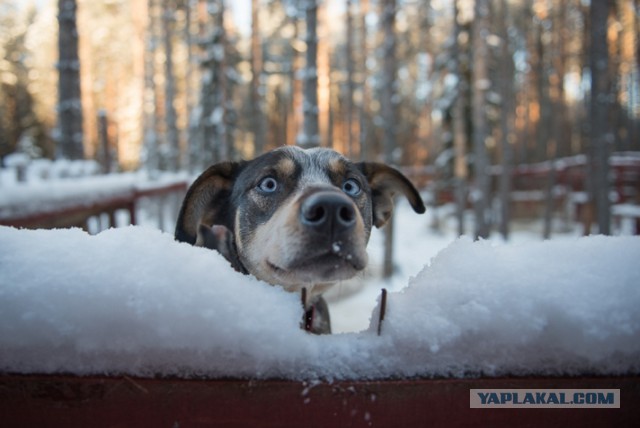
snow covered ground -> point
(133, 301)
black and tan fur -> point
(292, 217)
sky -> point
(241, 14)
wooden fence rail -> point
(77, 215)
(70, 401)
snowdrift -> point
(133, 301)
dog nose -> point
(328, 212)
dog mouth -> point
(329, 265)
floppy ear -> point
(207, 201)
(221, 239)
(385, 183)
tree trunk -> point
(350, 83)
(557, 108)
(601, 133)
(221, 116)
(211, 110)
(310, 136)
(172, 151)
(257, 115)
(542, 86)
(150, 118)
(189, 92)
(69, 134)
(388, 110)
(507, 116)
(460, 170)
(365, 152)
(481, 84)
(295, 118)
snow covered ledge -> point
(134, 302)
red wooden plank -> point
(73, 215)
(60, 215)
(162, 190)
(67, 401)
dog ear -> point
(207, 201)
(220, 239)
(385, 183)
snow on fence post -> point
(19, 163)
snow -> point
(133, 301)
(626, 210)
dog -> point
(292, 217)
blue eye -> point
(351, 187)
(268, 185)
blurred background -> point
(508, 115)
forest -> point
(480, 101)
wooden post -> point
(103, 141)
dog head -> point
(293, 217)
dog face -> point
(293, 217)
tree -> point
(257, 116)
(557, 107)
(480, 86)
(171, 152)
(506, 88)
(388, 100)
(460, 62)
(150, 153)
(363, 113)
(310, 136)
(601, 137)
(69, 129)
(212, 110)
(350, 77)
(20, 127)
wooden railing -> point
(78, 215)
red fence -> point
(77, 215)
(530, 183)
(68, 401)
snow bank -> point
(133, 301)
